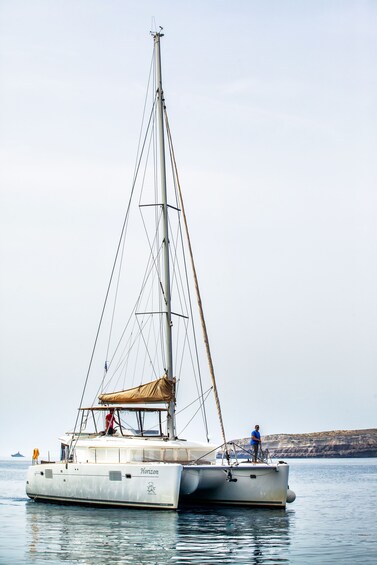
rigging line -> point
(148, 270)
(150, 145)
(193, 355)
(116, 350)
(152, 354)
(195, 413)
(202, 457)
(178, 276)
(179, 355)
(194, 367)
(248, 451)
(176, 182)
(207, 393)
(148, 353)
(129, 345)
(155, 266)
(146, 275)
(151, 74)
(151, 244)
(187, 343)
(146, 348)
(156, 263)
(111, 278)
(158, 215)
(115, 300)
(136, 359)
(183, 296)
(150, 267)
(124, 355)
(177, 280)
(199, 300)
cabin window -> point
(141, 423)
(115, 475)
(153, 455)
(48, 473)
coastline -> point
(329, 444)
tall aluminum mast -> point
(167, 290)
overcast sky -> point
(273, 111)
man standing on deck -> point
(255, 442)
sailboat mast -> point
(167, 290)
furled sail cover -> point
(161, 390)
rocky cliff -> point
(340, 443)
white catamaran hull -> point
(160, 485)
(139, 485)
(246, 484)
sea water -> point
(333, 520)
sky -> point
(273, 111)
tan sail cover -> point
(161, 390)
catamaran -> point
(128, 446)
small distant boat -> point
(18, 454)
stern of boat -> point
(245, 484)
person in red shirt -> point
(110, 421)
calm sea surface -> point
(333, 520)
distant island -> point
(339, 443)
(18, 454)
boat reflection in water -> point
(222, 535)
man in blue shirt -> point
(255, 441)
